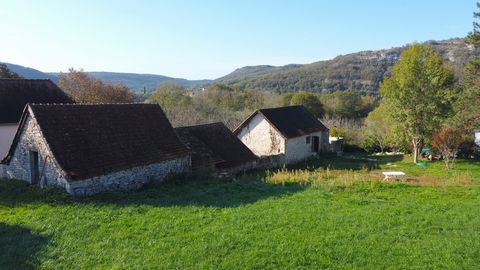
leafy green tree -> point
(474, 36)
(170, 97)
(6, 73)
(420, 93)
(377, 129)
(467, 107)
(285, 99)
(347, 104)
(309, 100)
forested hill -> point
(362, 71)
(136, 82)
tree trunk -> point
(416, 149)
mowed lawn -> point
(257, 222)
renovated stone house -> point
(14, 95)
(88, 149)
(292, 133)
(215, 148)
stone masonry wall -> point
(129, 179)
(31, 139)
(262, 138)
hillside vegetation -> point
(362, 71)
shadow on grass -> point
(19, 246)
(214, 193)
(349, 161)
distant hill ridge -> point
(136, 82)
(361, 71)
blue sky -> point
(208, 39)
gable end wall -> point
(261, 137)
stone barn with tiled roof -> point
(292, 133)
(88, 149)
(215, 147)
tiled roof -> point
(291, 121)
(16, 93)
(92, 140)
(218, 142)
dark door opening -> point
(315, 143)
(34, 171)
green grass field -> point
(335, 215)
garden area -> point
(333, 212)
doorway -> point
(34, 170)
(315, 143)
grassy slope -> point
(248, 224)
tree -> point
(473, 37)
(446, 141)
(420, 93)
(347, 104)
(377, 129)
(467, 107)
(6, 73)
(85, 89)
(309, 100)
(170, 97)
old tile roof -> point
(217, 142)
(16, 93)
(290, 121)
(92, 140)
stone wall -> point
(262, 138)
(51, 174)
(31, 139)
(129, 179)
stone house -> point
(291, 133)
(215, 148)
(14, 95)
(88, 149)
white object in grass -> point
(396, 175)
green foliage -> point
(381, 132)
(170, 97)
(250, 224)
(473, 37)
(6, 73)
(307, 99)
(347, 104)
(467, 107)
(420, 93)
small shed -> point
(215, 147)
(88, 149)
(292, 132)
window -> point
(307, 139)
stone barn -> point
(88, 149)
(215, 148)
(14, 95)
(291, 133)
